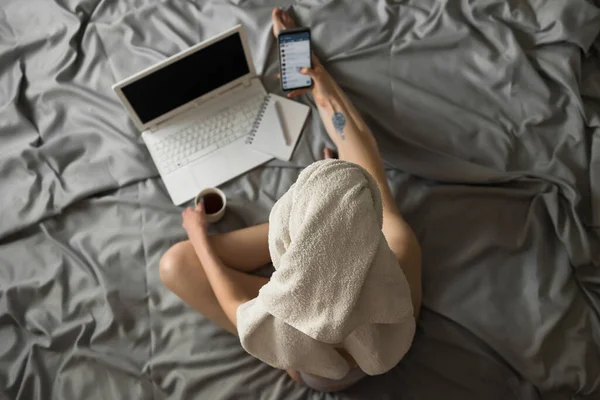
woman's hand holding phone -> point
(322, 88)
(296, 61)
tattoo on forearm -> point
(339, 122)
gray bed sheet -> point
(487, 114)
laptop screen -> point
(187, 79)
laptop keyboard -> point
(206, 136)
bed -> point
(487, 114)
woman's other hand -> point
(194, 220)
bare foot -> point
(329, 153)
(281, 20)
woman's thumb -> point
(307, 71)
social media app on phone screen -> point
(294, 54)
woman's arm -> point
(231, 287)
(346, 128)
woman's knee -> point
(172, 264)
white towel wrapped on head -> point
(336, 283)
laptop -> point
(194, 110)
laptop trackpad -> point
(211, 171)
(180, 185)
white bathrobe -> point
(336, 283)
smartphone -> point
(294, 54)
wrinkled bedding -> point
(487, 114)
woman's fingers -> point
(308, 71)
(312, 73)
(298, 92)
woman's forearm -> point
(352, 111)
(353, 139)
(225, 281)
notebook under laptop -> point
(194, 110)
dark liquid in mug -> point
(212, 203)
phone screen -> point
(294, 54)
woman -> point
(204, 271)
